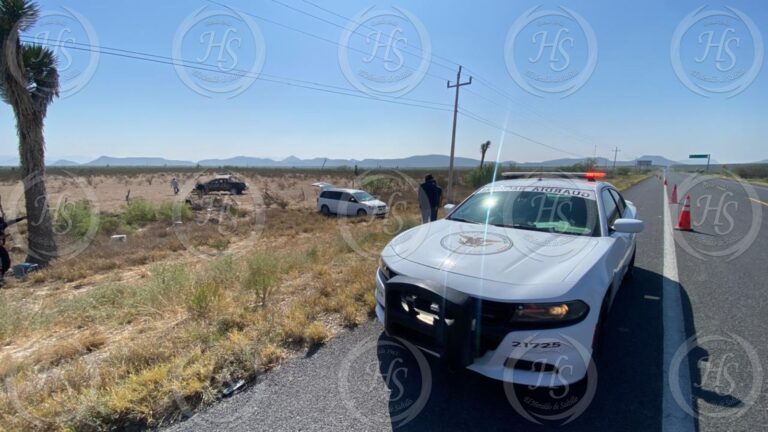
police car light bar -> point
(591, 176)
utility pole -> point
(615, 153)
(457, 86)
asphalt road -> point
(723, 266)
(364, 381)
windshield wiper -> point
(463, 220)
(528, 227)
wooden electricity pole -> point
(457, 86)
(615, 153)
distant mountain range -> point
(424, 161)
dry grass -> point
(145, 349)
(626, 181)
(141, 333)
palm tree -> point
(29, 81)
(484, 148)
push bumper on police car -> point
(469, 332)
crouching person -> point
(5, 258)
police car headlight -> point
(550, 312)
(384, 269)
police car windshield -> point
(363, 196)
(561, 212)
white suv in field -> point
(349, 202)
(516, 281)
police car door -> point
(621, 241)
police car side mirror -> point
(449, 207)
(628, 226)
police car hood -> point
(498, 254)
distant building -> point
(644, 164)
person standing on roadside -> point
(5, 258)
(175, 186)
(430, 195)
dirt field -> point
(109, 191)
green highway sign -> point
(699, 156)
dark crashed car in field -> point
(224, 183)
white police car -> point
(515, 282)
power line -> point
(263, 77)
(452, 66)
(479, 119)
(531, 116)
(196, 65)
(505, 95)
(482, 80)
(309, 85)
(315, 36)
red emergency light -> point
(592, 176)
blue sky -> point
(633, 98)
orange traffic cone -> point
(684, 222)
(673, 199)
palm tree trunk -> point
(29, 126)
(41, 241)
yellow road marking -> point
(759, 202)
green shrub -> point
(752, 171)
(76, 219)
(203, 298)
(261, 276)
(112, 224)
(160, 292)
(223, 270)
(139, 213)
(377, 185)
(171, 212)
(481, 176)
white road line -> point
(674, 419)
(759, 202)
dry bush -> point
(261, 276)
(317, 333)
(185, 330)
(271, 198)
(68, 349)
